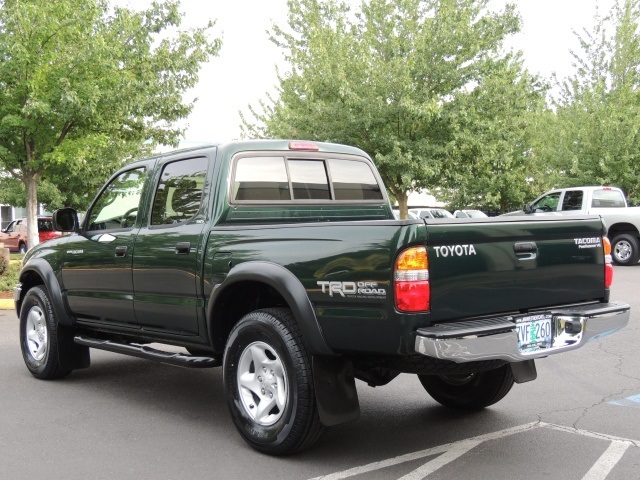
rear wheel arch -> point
(254, 285)
(618, 228)
(625, 243)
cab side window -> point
(117, 205)
(178, 195)
(572, 200)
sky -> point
(245, 69)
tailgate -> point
(507, 264)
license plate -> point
(534, 332)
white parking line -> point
(457, 450)
(451, 451)
(352, 472)
(587, 433)
(607, 461)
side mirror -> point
(528, 208)
(65, 220)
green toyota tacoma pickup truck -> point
(281, 262)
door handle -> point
(526, 250)
(525, 247)
(121, 251)
(183, 248)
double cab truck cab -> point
(281, 263)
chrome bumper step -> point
(496, 338)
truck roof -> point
(232, 147)
(593, 187)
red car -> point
(14, 236)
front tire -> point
(625, 249)
(39, 338)
(469, 391)
(22, 248)
(268, 383)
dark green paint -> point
(166, 295)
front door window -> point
(117, 206)
(548, 203)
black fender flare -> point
(42, 269)
(287, 285)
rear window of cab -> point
(608, 198)
(263, 178)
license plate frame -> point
(534, 332)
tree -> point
(386, 78)
(83, 87)
(492, 141)
(596, 139)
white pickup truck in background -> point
(622, 221)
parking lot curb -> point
(6, 304)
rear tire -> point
(269, 385)
(625, 249)
(469, 391)
(39, 339)
(22, 248)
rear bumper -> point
(496, 338)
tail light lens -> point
(411, 277)
(608, 263)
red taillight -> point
(301, 145)
(608, 262)
(608, 275)
(413, 296)
(411, 275)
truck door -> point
(166, 276)
(97, 269)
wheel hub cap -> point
(36, 334)
(622, 250)
(262, 383)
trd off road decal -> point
(353, 289)
(592, 242)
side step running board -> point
(142, 351)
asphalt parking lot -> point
(131, 418)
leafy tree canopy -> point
(397, 78)
(84, 86)
(595, 136)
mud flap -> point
(524, 371)
(71, 356)
(335, 389)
